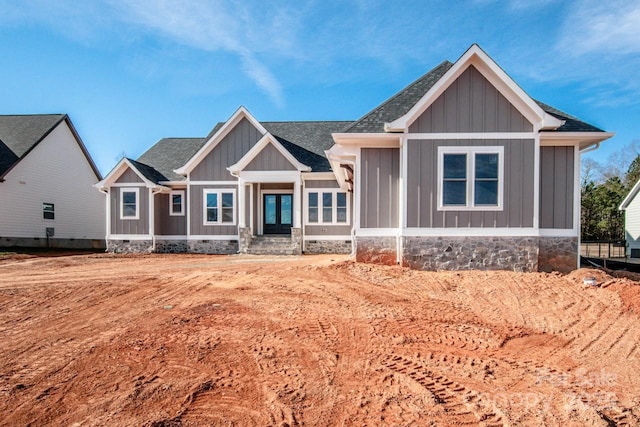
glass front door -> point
(278, 212)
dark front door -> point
(278, 211)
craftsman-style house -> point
(461, 169)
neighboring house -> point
(461, 169)
(46, 185)
(631, 207)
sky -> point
(131, 72)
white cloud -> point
(604, 27)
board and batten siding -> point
(632, 224)
(128, 176)
(228, 151)
(556, 187)
(55, 171)
(129, 226)
(165, 223)
(196, 210)
(380, 177)
(471, 104)
(269, 159)
(422, 185)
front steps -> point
(273, 245)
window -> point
(48, 211)
(176, 203)
(470, 178)
(219, 207)
(327, 207)
(129, 203)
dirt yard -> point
(237, 340)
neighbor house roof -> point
(20, 134)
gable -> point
(471, 104)
(129, 176)
(227, 152)
(269, 159)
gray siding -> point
(130, 226)
(166, 224)
(197, 214)
(319, 183)
(380, 174)
(231, 149)
(422, 177)
(556, 187)
(129, 176)
(269, 159)
(471, 104)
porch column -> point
(297, 204)
(241, 204)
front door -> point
(278, 212)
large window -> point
(470, 178)
(219, 207)
(176, 203)
(48, 211)
(129, 205)
(327, 207)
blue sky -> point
(131, 72)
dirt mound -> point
(162, 340)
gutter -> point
(590, 148)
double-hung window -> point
(470, 178)
(219, 207)
(176, 203)
(48, 211)
(129, 203)
(327, 207)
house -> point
(47, 197)
(631, 207)
(459, 170)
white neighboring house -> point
(46, 179)
(631, 207)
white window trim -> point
(471, 164)
(219, 192)
(334, 205)
(130, 190)
(176, 193)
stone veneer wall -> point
(171, 246)
(467, 253)
(222, 247)
(129, 246)
(376, 250)
(327, 247)
(558, 254)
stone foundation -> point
(327, 247)
(471, 253)
(222, 247)
(129, 246)
(245, 240)
(296, 240)
(558, 254)
(171, 246)
(376, 250)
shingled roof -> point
(571, 123)
(19, 134)
(158, 162)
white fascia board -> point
(318, 176)
(378, 140)
(582, 139)
(491, 71)
(270, 176)
(261, 145)
(215, 139)
(118, 170)
(632, 194)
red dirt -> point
(215, 340)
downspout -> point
(107, 228)
(353, 226)
(591, 147)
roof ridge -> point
(398, 94)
